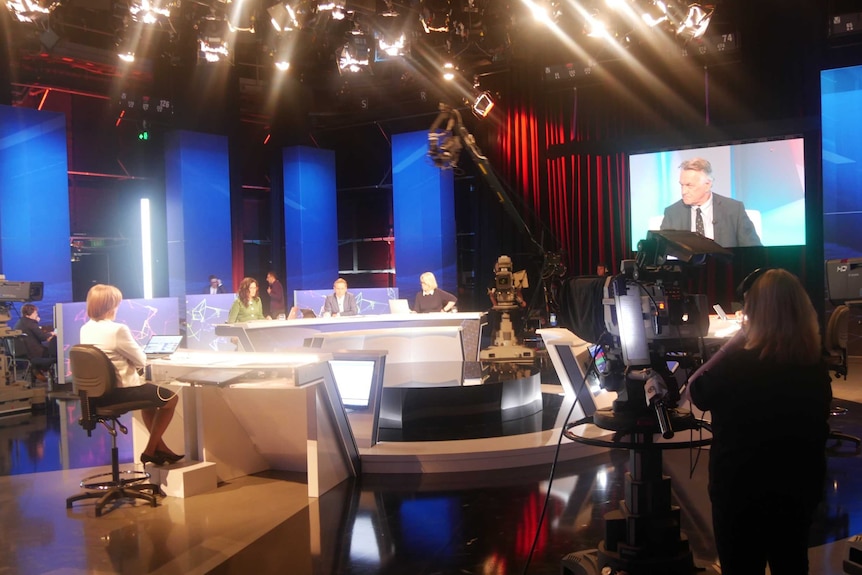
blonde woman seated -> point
(115, 339)
(432, 298)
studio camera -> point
(507, 284)
(20, 291)
(648, 327)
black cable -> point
(590, 368)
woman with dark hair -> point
(247, 305)
(769, 393)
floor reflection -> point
(493, 522)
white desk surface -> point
(356, 319)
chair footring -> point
(105, 481)
(839, 439)
(138, 491)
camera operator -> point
(769, 392)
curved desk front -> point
(252, 412)
(277, 335)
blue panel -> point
(310, 218)
(841, 119)
(423, 201)
(145, 317)
(203, 313)
(197, 188)
(370, 301)
(34, 219)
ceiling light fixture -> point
(696, 22)
(283, 17)
(213, 44)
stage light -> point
(29, 11)
(482, 105)
(434, 15)
(213, 45)
(696, 22)
(388, 10)
(656, 14)
(449, 71)
(283, 17)
(392, 47)
(335, 9)
(149, 12)
(353, 56)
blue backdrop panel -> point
(423, 204)
(841, 120)
(197, 188)
(310, 218)
(34, 195)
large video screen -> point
(767, 177)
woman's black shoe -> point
(154, 459)
(169, 457)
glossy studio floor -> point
(469, 523)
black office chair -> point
(835, 343)
(26, 366)
(17, 352)
(94, 376)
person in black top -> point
(769, 392)
(40, 343)
(276, 296)
(432, 298)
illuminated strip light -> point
(147, 247)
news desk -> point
(252, 412)
(276, 335)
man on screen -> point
(716, 217)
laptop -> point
(306, 312)
(399, 306)
(160, 346)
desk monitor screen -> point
(354, 379)
(399, 306)
(307, 312)
(162, 344)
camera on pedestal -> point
(653, 331)
(507, 297)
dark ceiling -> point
(74, 49)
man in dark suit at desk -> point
(340, 303)
(716, 217)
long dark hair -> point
(244, 292)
